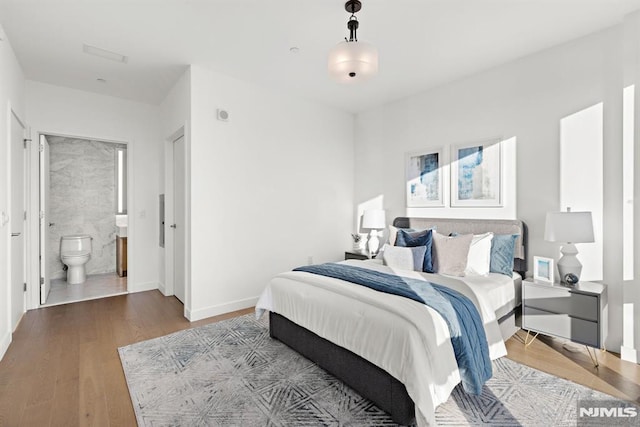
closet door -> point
(179, 216)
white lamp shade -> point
(374, 219)
(359, 58)
(569, 227)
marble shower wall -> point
(82, 200)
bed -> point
(391, 350)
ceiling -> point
(421, 43)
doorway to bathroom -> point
(83, 219)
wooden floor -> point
(63, 368)
(613, 375)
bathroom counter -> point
(121, 230)
(121, 255)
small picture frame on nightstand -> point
(543, 269)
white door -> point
(5, 239)
(45, 187)
(179, 214)
(17, 221)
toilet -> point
(75, 251)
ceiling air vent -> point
(103, 53)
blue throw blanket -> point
(465, 325)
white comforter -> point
(405, 338)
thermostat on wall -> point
(223, 115)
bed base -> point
(370, 381)
(367, 379)
(510, 323)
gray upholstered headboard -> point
(476, 226)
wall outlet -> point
(310, 260)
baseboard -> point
(4, 344)
(630, 354)
(142, 287)
(162, 288)
(216, 310)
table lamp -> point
(569, 228)
(374, 220)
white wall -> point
(631, 339)
(62, 111)
(525, 99)
(11, 98)
(269, 188)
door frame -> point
(168, 287)
(26, 238)
(43, 219)
(33, 286)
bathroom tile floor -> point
(96, 286)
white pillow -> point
(479, 258)
(393, 234)
(399, 257)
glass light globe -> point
(351, 62)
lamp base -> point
(569, 263)
(374, 242)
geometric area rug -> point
(231, 373)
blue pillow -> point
(418, 238)
(502, 249)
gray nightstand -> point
(575, 313)
(353, 254)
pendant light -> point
(352, 61)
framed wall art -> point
(423, 179)
(543, 269)
(476, 177)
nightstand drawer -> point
(562, 301)
(561, 325)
